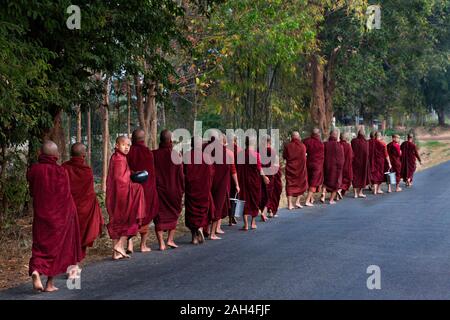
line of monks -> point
(68, 217)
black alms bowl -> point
(139, 177)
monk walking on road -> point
(347, 171)
(56, 230)
(360, 166)
(141, 158)
(125, 200)
(296, 173)
(378, 155)
(314, 164)
(82, 188)
(395, 153)
(408, 158)
(170, 186)
(333, 165)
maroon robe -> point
(274, 200)
(125, 200)
(378, 154)
(395, 153)
(267, 189)
(89, 213)
(333, 165)
(170, 186)
(360, 165)
(199, 203)
(223, 169)
(296, 173)
(249, 177)
(141, 158)
(314, 161)
(56, 230)
(347, 170)
(408, 159)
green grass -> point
(432, 144)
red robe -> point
(199, 203)
(125, 200)
(296, 173)
(89, 213)
(236, 150)
(170, 186)
(56, 231)
(141, 158)
(395, 153)
(274, 200)
(267, 189)
(408, 159)
(314, 161)
(220, 190)
(347, 171)
(333, 165)
(360, 165)
(378, 154)
(249, 176)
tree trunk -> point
(117, 106)
(441, 117)
(151, 115)
(4, 202)
(104, 108)
(89, 136)
(78, 123)
(56, 134)
(128, 108)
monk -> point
(332, 167)
(395, 153)
(408, 159)
(56, 230)
(294, 153)
(141, 158)
(170, 186)
(347, 170)
(250, 173)
(273, 202)
(270, 167)
(82, 189)
(378, 155)
(360, 165)
(233, 191)
(314, 164)
(224, 171)
(125, 200)
(198, 176)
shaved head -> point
(78, 150)
(362, 131)
(334, 134)
(344, 136)
(49, 148)
(295, 135)
(138, 135)
(410, 136)
(372, 134)
(316, 132)
(165, 136)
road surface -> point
(311, 253)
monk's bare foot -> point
(263, 218)
(332, 202)
(201, 236)
(398, 190)
(162, 247)
(380, 192)
(309, 204)
(119, 254)
(37, 284)
(339, 195)
(298, 205)
(144, 248)
(50, 287)
(244, 229)
(322, 199)
(214, 237)
(254, 226)
(356, 196)
(291, 208)
(172, 244)
(361, 195)
(220, 231)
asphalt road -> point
(311, 253)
